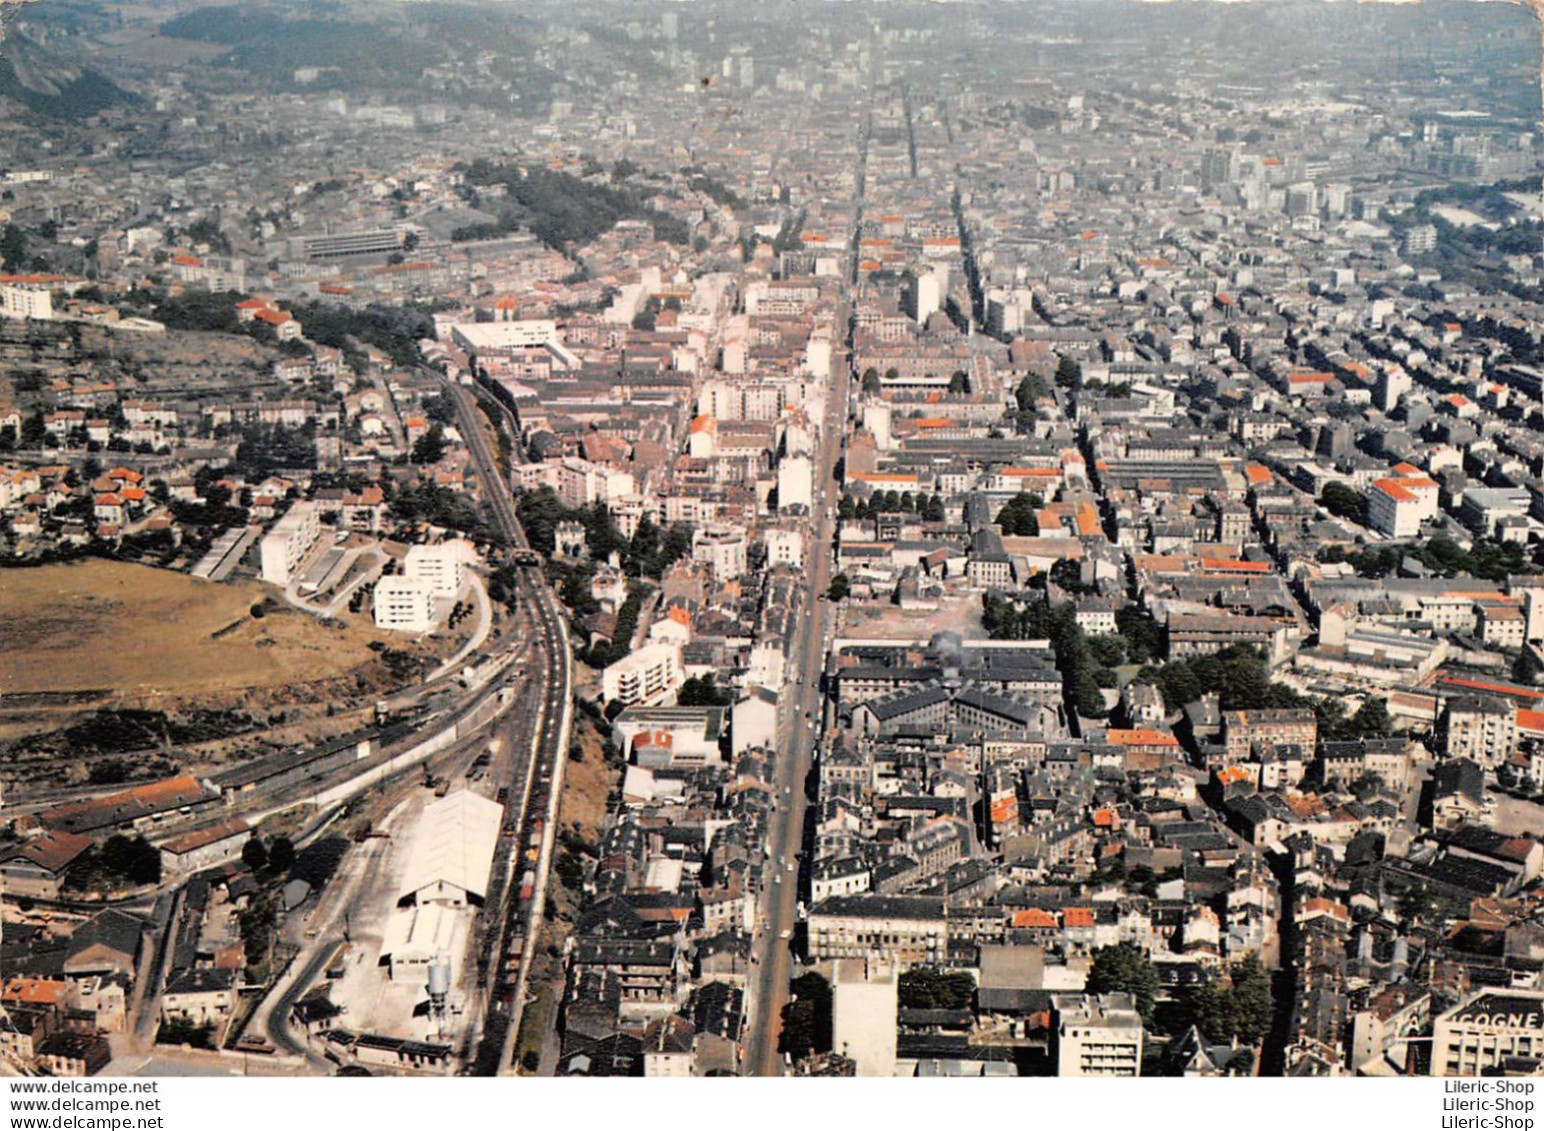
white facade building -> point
(288, 543)
(1397, 507)
(404, 604)
(442, 566)
(1096, 1035)
(1492, 1025)
(644, 676)
(795, 480)
(784, 547)
(863, 1006)
(24, 300)
(723, 548)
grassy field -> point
(131, 629)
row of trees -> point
(1083, 676)
(929, 508)
(807, 1017)
(603, 653)
(1493, 561)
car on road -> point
(777, 877)
(785, 934)
(792, 867)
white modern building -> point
(1096, 1035)
(443, 566)
(404, 604)
(289, 542)
(1397, 507)
(644, 676)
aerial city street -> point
(693, 539)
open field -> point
(130, 629)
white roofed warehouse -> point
(452, 853)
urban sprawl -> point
(703, 539)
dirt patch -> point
(586, 785)
(960, 614)
(132, 629)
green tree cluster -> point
(701, 691)
(1142, 634)
(1069, 374)
(266, 448)
(430, 447)
(560, 209)
(1241, 1010)
(441, 506)
(807, 1018)
(927, 987)
(1237, 673)
(1018, 515)
(1123, 968)
(136, 860)
(1344, 502)
(1490, 560)
(649, 553)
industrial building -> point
(310, 765)
(416, 936)
(342, 245)
(452, 853)
(137, 809)
(204, 848)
